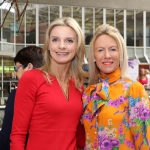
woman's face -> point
(106, 54)
(63, 44)
(20, 70)
(142, 71)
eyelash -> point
(113, 49)
(68, 41)
(54, 40)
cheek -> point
(118, 59)
(19, 73)
(98, 57)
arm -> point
(80, 136)
(139, 116)
(24, 104)
(7, 122)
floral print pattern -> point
(116, 114)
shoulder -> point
(133, 84)
(32, 74)
(12, 93)
(137, 90)
(137, 85)
(10, 100)
(33, 71)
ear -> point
(30, 66)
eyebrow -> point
(104, 48)
(65, 37)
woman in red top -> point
(48, 102)
(143, 77)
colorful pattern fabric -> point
(116, 114)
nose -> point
(107, 54)
(62, 44)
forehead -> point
(63, 31)
(17, 63)
(105, 39)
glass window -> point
(139, 28)
(19, 47)
(130, 28)
(8, 74)
(54, 13)
(148, 29)
(8, 47)
(110, 17)
(98, 17)
(77, 15)
(7, 32)
(0, 23)
(88, 25)
(66, 11)
(119, 21)
(1, 69)
(19, 27)
(30, 24)
(43, 22)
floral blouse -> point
(116, 114)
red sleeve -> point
(80, 133)
(24, 104)
(80, 136)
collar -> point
(97, 95)
(112, 77)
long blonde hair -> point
(75, 70)
(115, 34)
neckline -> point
(66, 94)
(112, 77)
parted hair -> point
(75, 70)
(115, 34)
(30, 54)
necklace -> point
(64, 87)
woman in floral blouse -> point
(116, 109)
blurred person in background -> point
(148, 76)
(143, 79)
(28, 58)
(13, 82)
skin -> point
(21, 70)
(62, 46)
(106, 54)
(142, 72)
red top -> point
(143, 81)
(42, 111)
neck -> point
(60, 71)
(62, 76)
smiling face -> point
(63, 44)
(106, 54)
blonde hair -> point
(115, 34)
(75, 70)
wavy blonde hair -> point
(115, 34)
(75, 70)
